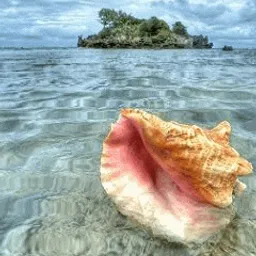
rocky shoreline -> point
(179, 43)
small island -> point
(227, 48)
(122, 30)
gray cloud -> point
(230, 23)
(58, 22)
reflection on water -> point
(56, 106)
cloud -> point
(58, 22)
(232, 22)
(45, 22)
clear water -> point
(56, 106)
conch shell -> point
(176, 179)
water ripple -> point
(56, 106)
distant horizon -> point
(235, 44)
(68, 46)
(52, 23)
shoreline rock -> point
(227, 48)
(143, 43)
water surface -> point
(56, 106)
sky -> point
(36, 23)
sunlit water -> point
(56, 106)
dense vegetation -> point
(124, 30)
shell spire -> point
(221, 133)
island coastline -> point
(124, 31)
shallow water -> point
(56, 106)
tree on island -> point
(110, 18)
(179, 29)
(152, 26)
(120, 24)
(107, 17)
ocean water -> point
(56, 107)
